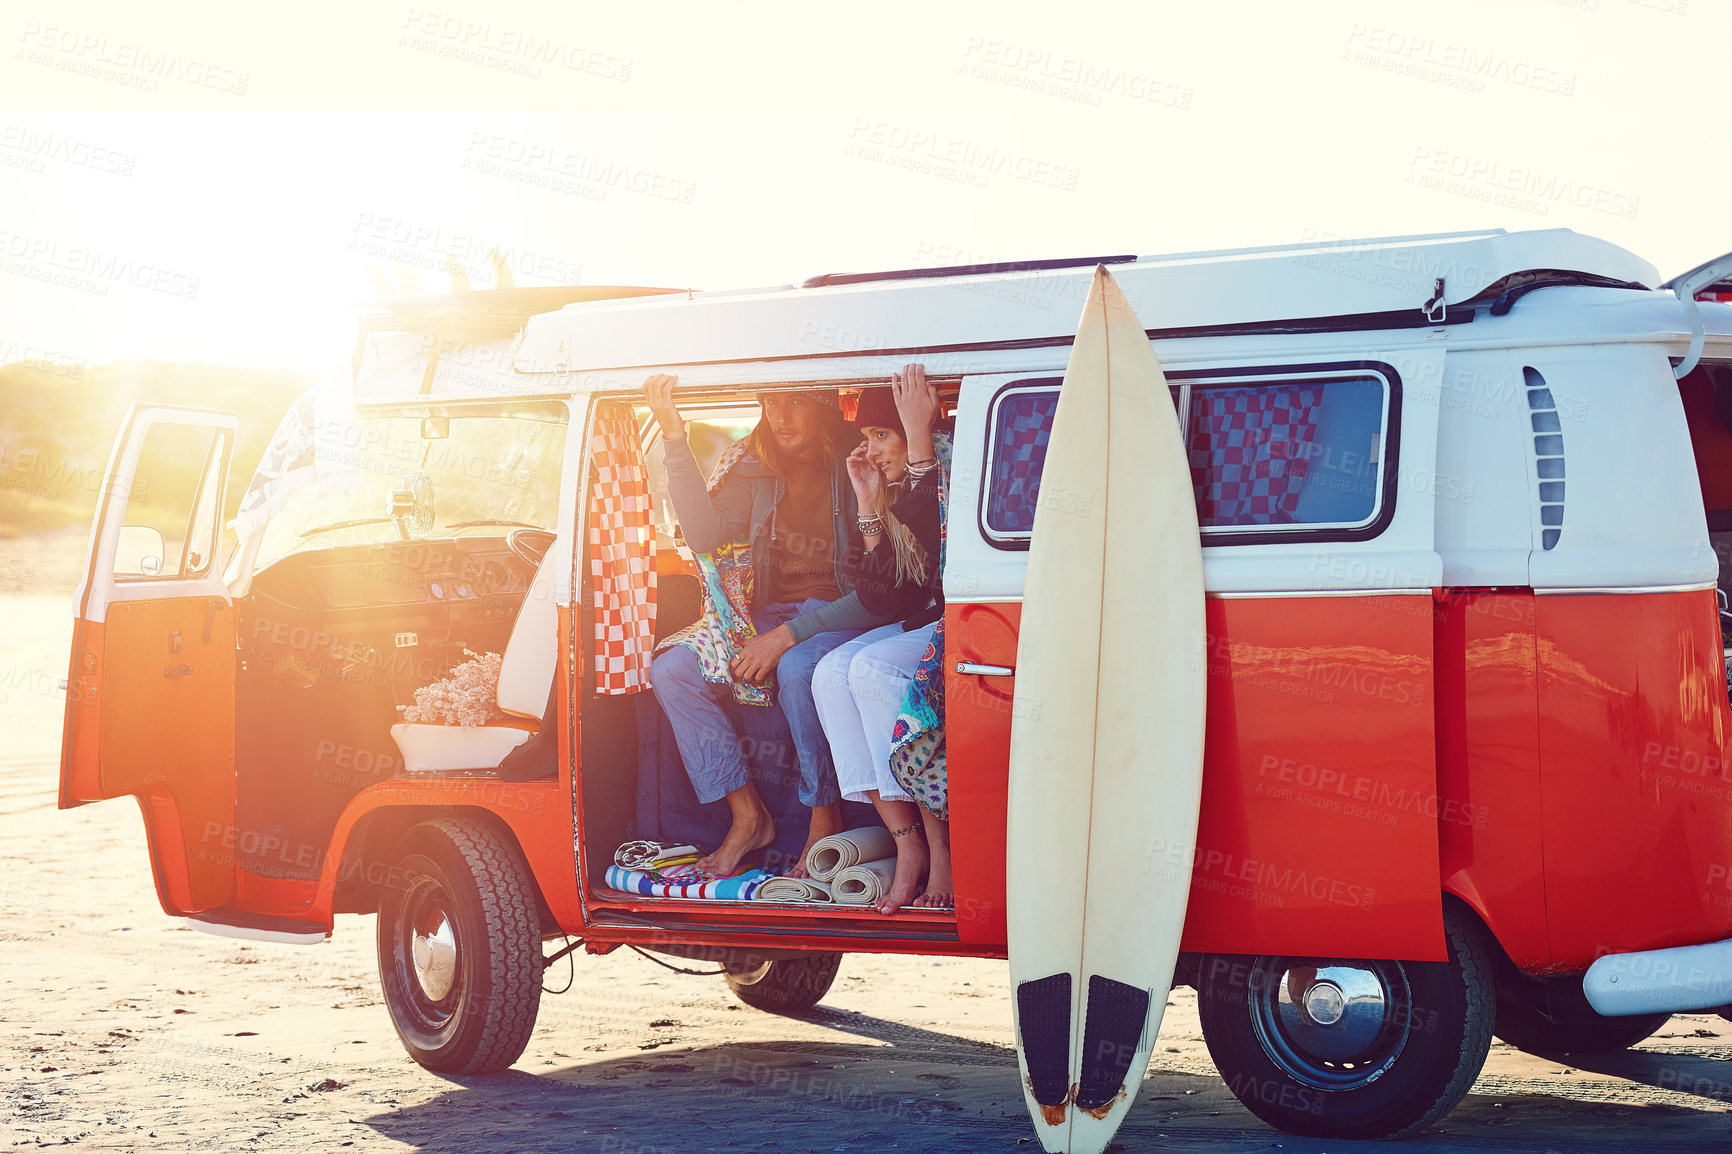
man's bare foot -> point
(826, 820)
(911, 859)
(753, 828)
(940, 887)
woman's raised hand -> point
(658, 390)
(866, 478)
(916, 401)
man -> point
(788, 498)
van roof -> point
(1328, 283)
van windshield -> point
(443, 471)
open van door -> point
(150, 702)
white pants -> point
(858, 688)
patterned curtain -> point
(1247, 466)
(622, 554)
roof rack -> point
(825, 280)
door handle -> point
(176, 670)
(979, 670)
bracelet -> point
(923, 462)
(917, 472)
(870, 526)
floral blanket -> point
(726, 625)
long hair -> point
(910, 557)
(836, 435)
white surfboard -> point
(1106, 749)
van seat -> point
(526, 672)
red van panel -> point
(1318, 833)
(1488, 766)
(1633, 764)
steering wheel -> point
(529, 544)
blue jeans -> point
(709, 744)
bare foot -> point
(753, 828)
(939, 885)
(826, 820)
(911, 859)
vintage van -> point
(1467, 513)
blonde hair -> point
(910, 557)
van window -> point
(1298, 454)
(709, 433)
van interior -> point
(1707, 395)
(348, 614)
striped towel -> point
(833, 854)
(739, 888)
(864, 885)
(653, 855)
(793, 890)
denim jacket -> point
(744, 509)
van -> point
(1466, 509)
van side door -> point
(150, 704)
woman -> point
(860, 686)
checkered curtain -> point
(622, 554)
(1246, 466)
(1024, 427)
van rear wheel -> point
(785, 986)
(1339, 1048)
(459, 941)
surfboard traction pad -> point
(1114, 1030)
(1043, 1016)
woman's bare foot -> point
(826, 820)
(902, 819)
(753, 828)
(940, 888)
(911, 858)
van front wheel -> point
(460, 948)
(1338, 1048)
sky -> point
(207, 184)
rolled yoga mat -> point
(851, 847)
(794, 890)
(864, 885)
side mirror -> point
(139, 551)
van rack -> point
(827, 280)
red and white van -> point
(1467, 501)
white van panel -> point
(1484, 471)
(1632, 512)
(1186, 290)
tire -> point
(1414, 1036)
(459, 941)
(786, 986)
(1526, 1028)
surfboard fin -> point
(1043, 1015)
(1113, 1033)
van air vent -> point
(1548, 455)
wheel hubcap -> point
(1333, 1025)
(429, 956)
(434, 950)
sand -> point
(121, 1029)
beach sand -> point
(121, 1029)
